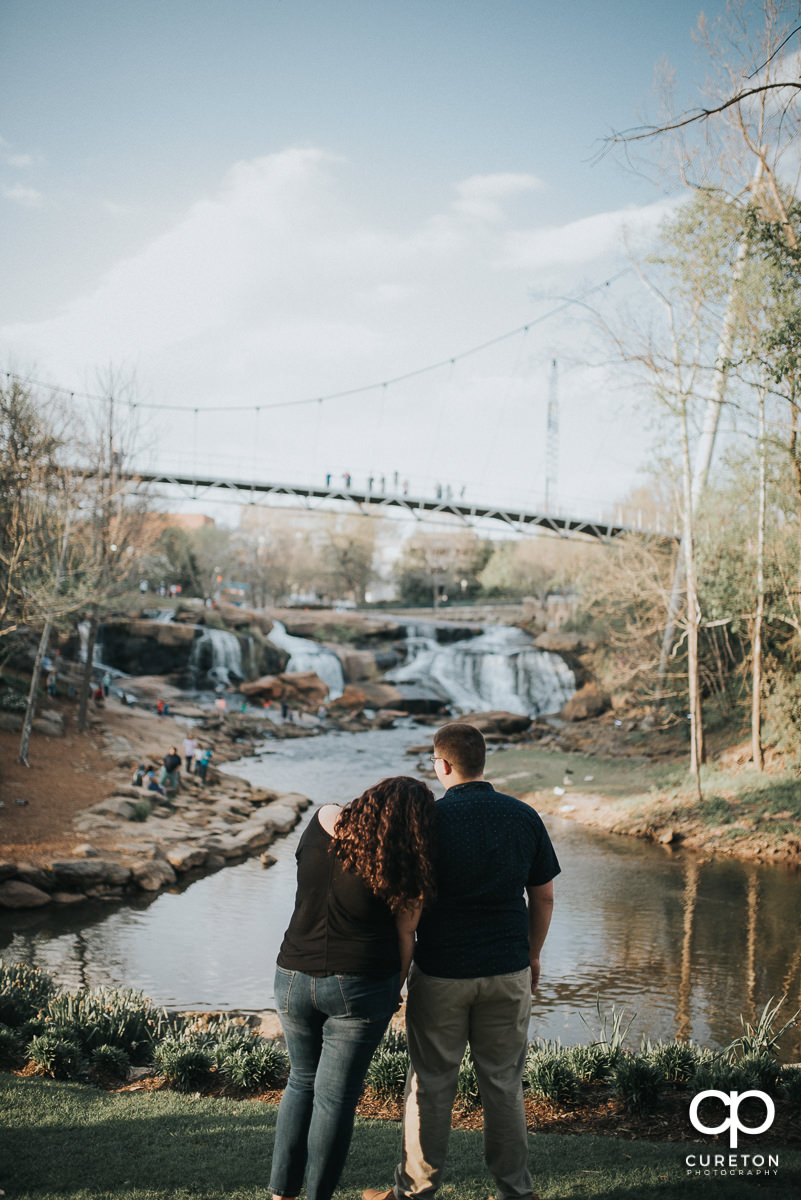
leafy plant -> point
(791, 1088)
(10, 1046)
(676, 1062)
(260, 1065)
(612, 1032)
(185, 1066)
(551, 1076)
(24, 991)
(57, 1056)
(386, 1075)
(467, 1083)
(637, 1082)
(763, 1037)
(589, 1063)
(110, 1060)
(114, 1017)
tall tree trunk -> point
(756, 672)
(693, 614)
(30, 711)
(86, 678)
(706, 444)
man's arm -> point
(540, 910)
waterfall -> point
(305, 655)
(217, 655)
(498, 669)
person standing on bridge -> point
(476, 964)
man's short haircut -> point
(463, 746)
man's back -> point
(490, 847)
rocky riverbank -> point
(75, 828)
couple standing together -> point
(396, 884)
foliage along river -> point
(684, 946)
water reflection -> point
(685, 944)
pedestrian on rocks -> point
(51, 682)
(106, 683)
(221, 704)
(160, 708)
(190, 750)
(202, 765)
(153, 784)
(364, 873)
(476, 965)
(169, 778)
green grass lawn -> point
(66, 1141)
(530, 768)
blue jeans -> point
(332, 1025)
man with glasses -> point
(476, 965)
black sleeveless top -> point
(339, 927)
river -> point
(682, 944)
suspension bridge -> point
(373, 500)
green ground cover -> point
(66, 1141)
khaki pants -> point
(442, 1015)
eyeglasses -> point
(435, 758)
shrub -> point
(10, 1047)
(760, 1071)
(57, 1056)
(637, 1082)
(589, 1062)
(185, 1066)
(676, 1062)
(114, 1017)
(791, 1087)
(551, 1076)
(110, 1060)
(717, 1074)
(467, 1083)
(24, 991)
(261, 1064)
(386, 1075)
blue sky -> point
(256, 201)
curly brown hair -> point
(386, 837)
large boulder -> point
(589, 701)
(298, 688)
(561, 642)
(85, 872)
(504, 723)
(16, 894)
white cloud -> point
(278, 287)
(28, 197)
(482, 196)
(586, 240)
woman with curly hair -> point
(365, 872)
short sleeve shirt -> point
(490, 848)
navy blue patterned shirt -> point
(490, 847)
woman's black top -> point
(339, 927)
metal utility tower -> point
(552, 441)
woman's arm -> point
(406, 922)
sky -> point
(237, 210)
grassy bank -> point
(65, 1141)
(743, 812)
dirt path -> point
(69, 774)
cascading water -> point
(305, 655)
(498, 669)
(217, 655)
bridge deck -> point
(514, 517)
